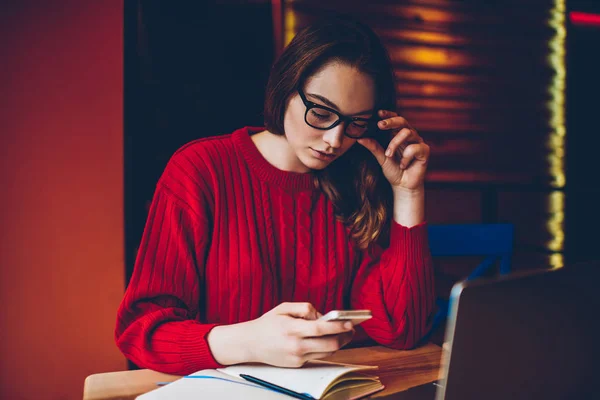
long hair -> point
(354, 183)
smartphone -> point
(355, 316)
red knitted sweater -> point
(229, 237)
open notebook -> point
(317, 379)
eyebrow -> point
(334, 106)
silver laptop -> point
(525, 336)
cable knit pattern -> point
(229, 237)
(271, 291)
(286, 242)
(303, 245)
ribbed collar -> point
(263, 169)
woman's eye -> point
(359, 124)
(321, 114)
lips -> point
(324, 154)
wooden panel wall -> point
(473, 76)
(483, 82)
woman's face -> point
(337, 86)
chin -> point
(317, 167)
(314, 164)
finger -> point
(326, 328)
(394, 122)
(387, 114)
(298, 310)
(348, 336)
(418, 151)
(373, 147)
(398, 140)
(326, 344)
(317, 356)
(303, 328)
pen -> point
(276, 388)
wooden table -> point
(398, 370)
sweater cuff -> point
(408, 243)
(195, 352)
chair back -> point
(495, 241)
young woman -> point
(253, 235)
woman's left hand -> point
(404, 162)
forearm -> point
(229, 344)
(397, 285)
(409, 206)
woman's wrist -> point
(408, 194)
(409, 206)
(230, 345)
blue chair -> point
(493, 241)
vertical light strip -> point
(289, 28)
(556, 139)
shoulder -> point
(199, 160)
(202, 153)
(193, 171)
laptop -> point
(523, 336)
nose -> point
(335, 136)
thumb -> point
(374, 147)
(298, 310)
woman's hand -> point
(291, 334)
(404, 162)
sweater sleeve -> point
(396, 284)
(158, 321)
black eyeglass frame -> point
(371, 122)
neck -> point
(277, 151)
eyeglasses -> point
(325, 118)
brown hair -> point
(354, 183)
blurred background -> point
(98, 96)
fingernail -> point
(388, 153)
(348, 325)
(383, 123)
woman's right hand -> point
(290, 335)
